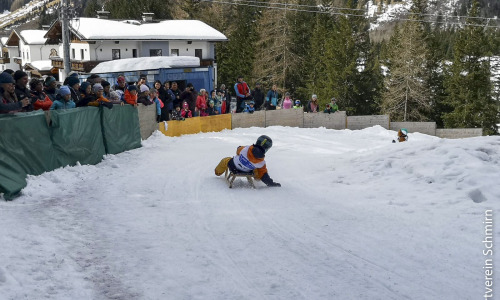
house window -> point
(73, 53)
(155, 52)
(23, 55)
(115, 53)
(198, 53)
(27, 55)
(134, 52)
(174, 52)
(82, 54)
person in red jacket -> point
(39, 99)
(249, 159)
(201, 101)
(131, 95)
(242, 93)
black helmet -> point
(265, 142)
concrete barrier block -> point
(458, 133)
(285, 117)
(147, 120)
(361, 122)
(246, 120)
(422, 127)
(336, 120)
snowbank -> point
(357, 217)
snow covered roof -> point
(29, 37)
(105, 29)
(146, 63)
(42, 65)
(33, 36)
(3, 40)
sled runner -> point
(231, 176)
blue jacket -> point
(273, 97)
(61, 104)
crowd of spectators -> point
(19, 95)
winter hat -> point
(70, 81)
(97, 87)
(19, 74)
(49, 80)
(93, 76)
(73, 74)
(185, 104)
(132, 87)
(211, 102)
(314, 96)
(34, 82)
(144, 88)
(105, 83)
(297, 102)
(9, 71)
(83, 86)
(64, 90)
(251, 103)
(333, 99)
(6, 78)
(121, 79)
(113, 96)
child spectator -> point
(211, 110)
(39, 99)
(74, 86)
(143, 96)
(287, 102)
(131, 95)
(153, 98)
(217, 101)
(99, 97)
(334, 105)
(107, 87)
(114, 98)
(297, 104)
(313, 106)
(249, 108)
(63, 99)
(203, 110)
(176, 114)
(186, 112)
(328, 109)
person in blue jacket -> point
(63, 99)
(272, 98)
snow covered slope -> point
(357, 217)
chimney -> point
(147, 17)
(102, 14)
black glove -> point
(107, 104)
(275, 184)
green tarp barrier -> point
(120, 128)
(26, 148)
(76, 135)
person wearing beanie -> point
(100, 100)
(9, 71)
(312, 105)
(74, 86)
(50, 87)
(39, 99)
(114, 98)
(63, 99)
(143, 96)
(8, 99)
(71, 74)
(107, 87)
(21, 89)
(186, 112)
(130, 95)
(85, 94)
(153, 98)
